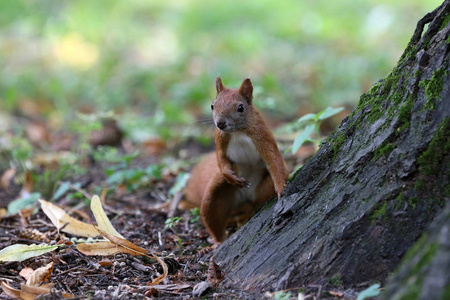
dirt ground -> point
(138, 216)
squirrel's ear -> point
(246, 89)
(219, 85)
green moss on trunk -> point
(430, 161)
(434, 86)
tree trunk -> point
(425, 270)
(372, 189)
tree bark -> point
(425, 269)
(352, 212)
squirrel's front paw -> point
(232, 179)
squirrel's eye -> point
(212, 106)
(241, 108)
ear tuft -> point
(246, 89)
(219, 85)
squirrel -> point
(247, 169)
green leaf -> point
(302, 137)
(306, 117)
(21, 203)
(62, 189)
(154, 171)
(328, 112)
(21, 252)
(180, 183)
(371, 291)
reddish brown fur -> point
(215, 180)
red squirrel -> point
(247, 169)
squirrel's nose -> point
(221, 124)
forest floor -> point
(135, 206)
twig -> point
(174, 204)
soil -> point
(139, 216)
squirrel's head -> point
(232, 108)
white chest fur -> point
(250, 166)
(241, 150)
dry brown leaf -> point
(26, 273)
(6, 178)
(27, 185)
(215, 276)
(41, 275)
(31, 292)
(123, 243)
(10, 291)
(28, 292)
(165, 270)
(103, 249)
(59, 218)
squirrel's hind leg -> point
(216, 206)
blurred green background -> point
(153, 64)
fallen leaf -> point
(165, 270)
(28, 292)
(10, 291)
(123, 243)
(41, 275)
(103, 249)
(6, 178)
(59, 218)
(19, 204)
(101, 217)
(200, 288)
(215, 276)
(20, 252)
(26, 272)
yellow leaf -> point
(59, 218)
(20, 252)
(41, 275)
(101, 218)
